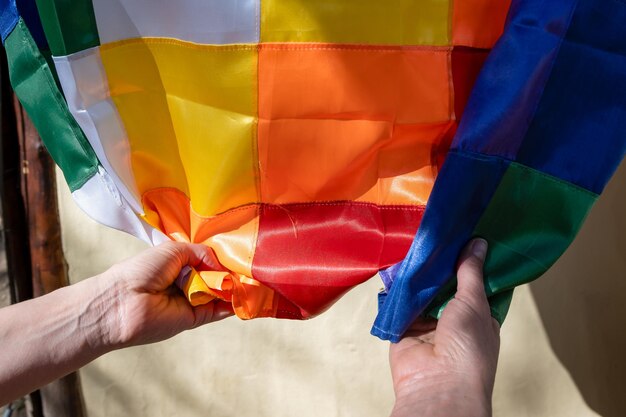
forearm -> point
(130, 304)
(51, 336)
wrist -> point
(100, 312)
(443, 395)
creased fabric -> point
(312, 144)
(542, 133)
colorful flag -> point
(301, 140)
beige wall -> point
(562, 345)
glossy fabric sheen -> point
(559, 115)
(230, 235)
(299, 140)
(164, 105)
(293, 239)
(310, 160)
(355, 130)
(391, 188)
(466, 185)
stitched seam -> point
(451, 8)
(256, 163)
(557, 180)
(352, 47)
(442, 123)
(451, 90)
(186, 44)
(179, 193)
(385, 332)
(276, 46)
(347, 203)
(255, 239)
(288, 313)
(407, 207)
(481, 157)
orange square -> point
(478, 23)
(316, 81)
(333, 119)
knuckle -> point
(172, 248)
(168, 246)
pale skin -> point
(447, 371)
(448, 368)
(133, 303)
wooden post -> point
(49, 269)
(13, 211)
(48, 266)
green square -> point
(529, 223)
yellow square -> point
(190, 115)
(378, 22)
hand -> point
(141, 305)
(132, 303)
(448, 368)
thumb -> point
(471, 287)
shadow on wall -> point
(582, 303)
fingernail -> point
(479, 248)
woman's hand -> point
(448, 368)
(141, 303)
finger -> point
(199, 256)
(213, 311)
(203, 314)
(222, 310)
(209, 262)
(471, 287)
(190, 254)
